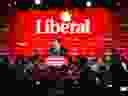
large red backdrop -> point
(86, 43)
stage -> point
(23, 37)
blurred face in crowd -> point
(108, 58)
(99, 61)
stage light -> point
(37, 2)
(117, 3)
(9, 5)
(14, 2)
(66, 17)
(88, 3)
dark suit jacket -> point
(54, 52)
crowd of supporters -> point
(34, 69)
(64, 72)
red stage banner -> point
(85, 29)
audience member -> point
(19, 59)
(4, 59)
(38, 70)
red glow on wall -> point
(100, 17)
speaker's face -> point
(56, 44)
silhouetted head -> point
(56, 43)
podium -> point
(55, 60)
